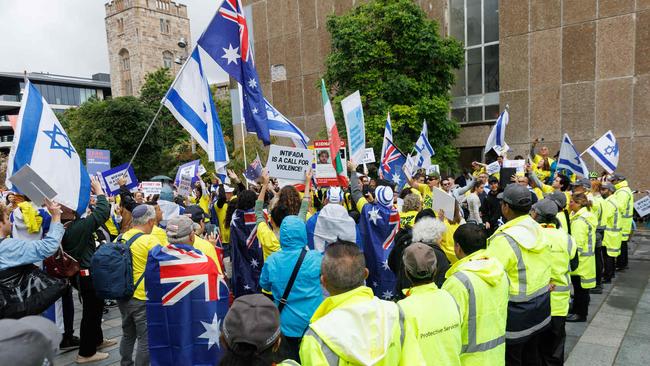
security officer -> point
(612, 222)
(563, 259)
(436, 336)
(519, 246)
(480, 287)
(563, 216)
(583, 278)
(583, 185)
(626, 205)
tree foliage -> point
(394, 55)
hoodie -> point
(306, 293)
(357, 327)
(527, 234)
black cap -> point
(582, 182)
(195, 213)
(516, 195)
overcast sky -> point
(68, 36)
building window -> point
(120, 26)
(125, 63)
(125, 73)
(476, 92)
(165, 26)
(168, 59)
(162, 4)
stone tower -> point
(143, 36)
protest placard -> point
(493, 167)
(151, 188)
(354, 124)
(642, 206)
(97, 161)
(443, 201)
(202, 170)
(369, 156)
(111, 176)
(325, 174)
(520, 165)
(288, 163)
(32, 185)
(185, 185)
(190, 169)
(433, 169)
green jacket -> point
(79, 237)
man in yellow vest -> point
(436, 335)
(480, 287)
(519, 246)
(352, 326)
(612, 221)
(626, 206)
(563, 259)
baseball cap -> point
(608, 186)
(419, 261)
(28, 341)
(195, 213)
(252, 319)
(546, 208)
(582, 182)
(179, 227)
(559, 198)
(617, 177)
(384, 195)
(335, 195)
(516, 195)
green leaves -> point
(395, 56)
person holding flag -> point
(570, 160)
(388, 136)
(423, 149)
(497, 138)
(378, 225)
(247, 257)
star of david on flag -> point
(226, 42)
(570, 159)
(391, 165)
(41, 142)
(605, 152)
(423, 149)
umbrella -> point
(161, 178)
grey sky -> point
(68, 37)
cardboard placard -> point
(354, 124)
(32, 185)
(190, 169)
(111, 176)
(97, 161)
(202, 170)
(642, 206)
(185, 185)
(151, 188)
(443, 201)
(520, 165)
(369, 156)
(493, 167)
(289, 163)
(325, 174)
(433, 169)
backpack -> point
(112, 269)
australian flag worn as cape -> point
(187, 299)
(247, 257)
(378, 225)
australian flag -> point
(247, 257)
(187, 299)
(391, 165)
(227, 42)
(378, 226)
(254, 170)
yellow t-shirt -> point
(268, 240)
(139, 252)
(160, 235)
(447, 241)
(208, 249)
(224, 228)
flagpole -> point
(143, 138)
(241, 123)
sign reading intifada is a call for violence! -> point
(288, 162)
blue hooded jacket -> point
(306, 294)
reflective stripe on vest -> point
(626, 215)
(590, 242)
(569, 246)
(332, 358)
(521, 274)
(529, 331)
(615, 228)
(471, 345)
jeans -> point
(134, 326)
(90, 333)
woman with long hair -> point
(583, 278)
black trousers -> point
(90, 333)
(610, 266)
(68, 313)
(524, 353)
(621, 260)
(599, 265)
(290, 348)
(551, 344)
(581, 297)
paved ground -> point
(617, 331)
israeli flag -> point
(189, 99)
(605, 152)
(280, 126)
(424, 150)
(498, 134)
(41, 142)
(388, 136)
(570, 159)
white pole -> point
(241, 124)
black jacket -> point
(79, 239)
(491, 209)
